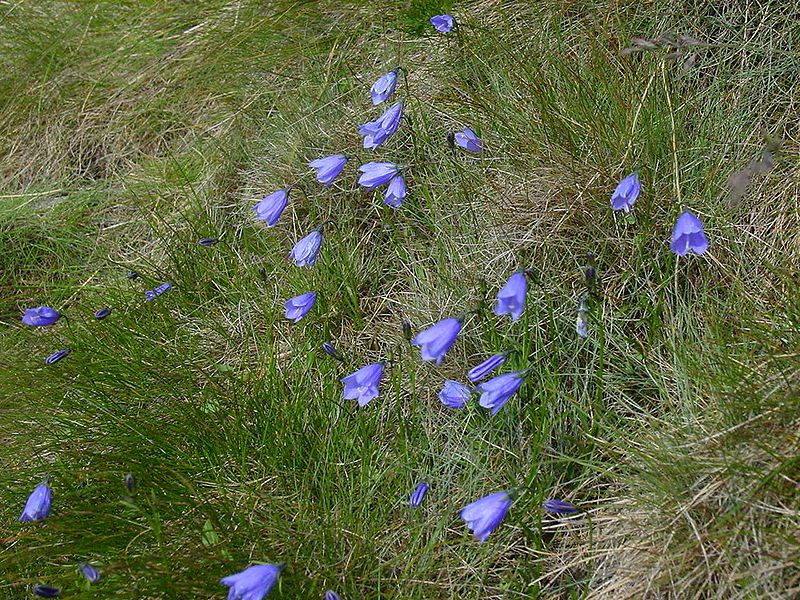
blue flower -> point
(455, 394)
(490, 364)
(557, 507)
(378, 131)
(363, 384)
(375, 174)
(305, 251)
(157, 291)
(443, 23)
(132, 275)
(467, 140)
(328, 168)
(626, 193)
(270, 208)
(207, 242)
(254, 583)
(395, 191)
(91, 574)
(37, 508)
(418, 495)
(130, 481)
(331, 595)
(331, 350)
(102, 313)
(511, 299)
(496, 392)
(435, 341)
(298, 307)
(41, 316)
(46, 591)
(56, 356)
(383, 88)
(485, 515)
(582, 320)
(688, 234)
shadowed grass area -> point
(133, 130)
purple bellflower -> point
(626, 193)
(395, 191)
(363, 384)
(378, 131)
(496, 392)
(558, 507)
(46, 591)
(41, 316)
(485, 515)
(490, 364)
(92, 574)
(375, 174)
(271, 207)
(56, 356)
(443, 23)
(207, 242)
(467, 140)
(435, 341)
(383, 88)
(455, 394)
(328, 168)
(306, 251)
(102, 313)
(298, 307)
(511, 299)
(37, 508)
(254, 583)
(418, 495)
(688, 234)
(331, 595)
(157, 291)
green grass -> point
(130, 130)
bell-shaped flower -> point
(443, 23)
(688, 234)
(395, 191)
(41, 316)
(485, 515)
(558, 507)
(298, 307)
(305, 251)
(207, 242)
(383, 88)
(467, 140)
(271, 207)
(102, 313)
(56, 356)
(435, 341)
(254, 583)
(328, 168)
(375, 174)
(331, 595)
(91, 573)
(626, 193)
(157, 291)
(480, 371)
(455, 394)
(46, 591)
(418, 495)
(496, 392)
(363, 384)
(378, 131)
(511, 299)
(37, 508)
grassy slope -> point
(133, 130)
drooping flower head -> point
(418, 495)
(132, 275)
(157, 291)
(485, 515)
(511, 299)
(91, 573)
(254, 583)
(130, 481)
(443, 23)
(626, 193)
(496, 392)
(688, 234)
(375, 174)
(480, 371)
(558, 507)
(271, 207)
(395, 191)
(328, 168)
(298, 307)
(378, 131)
(41, 316)
(384, 87)
(331, 351)
(467, 140)
(363, 384)
(331, 595)
(435, 341)
(37, 508)
(455, 394)
(207, 242)
(102, 313)
(305, 251)
(56, 356)
(46, 591)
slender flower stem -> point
(674, 140)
